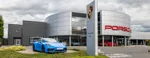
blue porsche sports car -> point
(49, 45)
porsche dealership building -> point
(112, 26)
(70, 27)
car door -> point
(38, 45)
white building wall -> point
(59, 24)
(140, 35)
(114, 19)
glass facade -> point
(78, 25)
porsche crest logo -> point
(90, 10)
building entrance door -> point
(17, 42)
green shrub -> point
(13, 48)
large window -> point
(78, 25)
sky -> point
(15, 11)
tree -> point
(1, 28)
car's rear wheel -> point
(33, 47)
(43, 48)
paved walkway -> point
(30, 51)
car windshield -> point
(48, 40)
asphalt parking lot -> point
(122, 52)
(118, 52)
(127, 52)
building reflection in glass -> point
(79, 25)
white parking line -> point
(117, 55)
(99, 51)
(114, 55)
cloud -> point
(139, 12)
(14, 11)
(134, 3)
